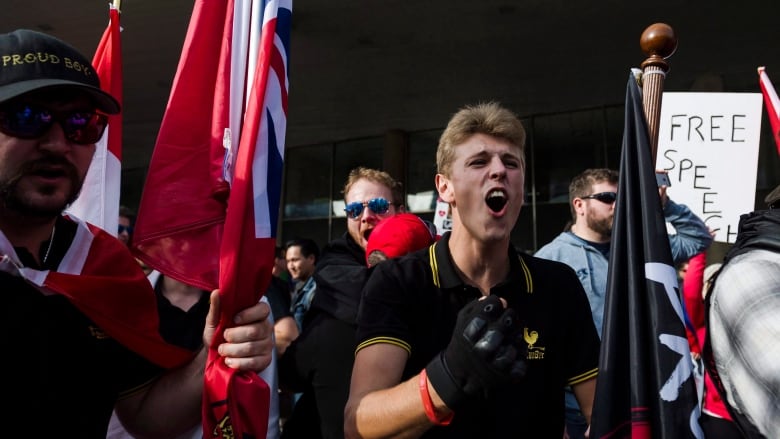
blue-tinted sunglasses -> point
(129, 229)
(604, 197)
(379, 206)
(26, 121)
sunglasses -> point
(379, 206)
(604, 197)
(128, 229)
(26, 121)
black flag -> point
(645, 388)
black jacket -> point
(340, 275)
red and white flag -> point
(772, 104)
(98, 202)
(210, 204)
(103, 280)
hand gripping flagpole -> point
(658, 42)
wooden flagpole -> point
(658, 42)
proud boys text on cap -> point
(31, 60)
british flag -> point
(248, 244)
(210, 204)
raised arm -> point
(692, 237)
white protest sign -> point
(709, 144)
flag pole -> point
(117, 4)
(658, 42)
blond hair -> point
(488, 118)
(377, 176)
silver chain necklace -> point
(51, 241)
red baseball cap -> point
(400, 234)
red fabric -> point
(207, 216)
(772, 104)
(182, 209)
(245, 270)
(98, 201)
(398, 235)
(694, 303)
(108, 65)
(112, 290)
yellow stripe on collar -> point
(529, 283)
(434, 264)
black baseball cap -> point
(32, 61)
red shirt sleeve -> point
(694, 303)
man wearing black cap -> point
(742, 349)
(79, 318)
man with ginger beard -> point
(319, 362)
(469, 338)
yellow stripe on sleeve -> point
(583, 376)
(389, 340)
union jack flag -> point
(248, 244)
(208, 214)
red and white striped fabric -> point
(98, 202)
(103, 280)
(772, 104)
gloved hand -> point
(486, 351)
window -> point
(420, 188)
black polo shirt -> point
(413, 302)
(62, 373)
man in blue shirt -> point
(585, 248)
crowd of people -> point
(392, 329)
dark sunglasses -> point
(26, 121)
(379, 206)
(604, 197)
(129, 229)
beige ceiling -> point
(361, 67)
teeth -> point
(496, 194)
(496, 200)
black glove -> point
(486, 351)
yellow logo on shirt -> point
(534, 352)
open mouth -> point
(496, 200)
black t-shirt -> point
(279, 298)
(180, 327)
(413, 302)
(60, 369)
